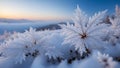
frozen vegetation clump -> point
(86, 32)
(85, 43)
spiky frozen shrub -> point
(85, 33)
(22, 46)
(113, 46)
(25, 44)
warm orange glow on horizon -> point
(17, 15)
(35, 12)
(32, 18)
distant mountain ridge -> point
(51, 26)
(5, 20)
(20, 25)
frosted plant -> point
(32, 43)
(106, 61)
(85, 33)
(116, 21)
(5, 36)
(115, 27)
(53, 48)
(22, 46)
(117, 9)
(113, 47)
(19, 48)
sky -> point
(52, 9)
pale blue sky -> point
(52, 9)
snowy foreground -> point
(85, 44)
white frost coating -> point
(86, 31)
